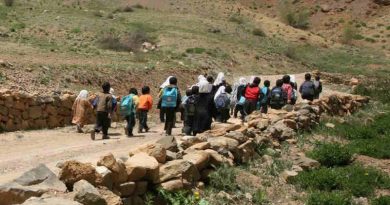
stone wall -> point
(185, 162)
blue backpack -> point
(264, 95)
(169, 98)
(222, 101)
(127, 105)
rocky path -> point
(20, 151)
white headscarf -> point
(292, 79)
(166, 83)
(221, 90)
(242, 81)
(220, 79)
(204, 86)
(83, 95)
(112, 91)
(201, 78)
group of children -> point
(204, 102)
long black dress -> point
(204, 113)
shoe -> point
(79, 130)
(93, 135)
(105, 137)
(126, 131)
(147, 129)
(130, 135)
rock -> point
(280, 131)
(263, 124)
(199, 158)
(42, 176)
(13, 193)
(354, 81)
(307, 163)
(155, 150)
(325, 8)
(216, 159)
(134, 200)
(171, 155)
(106, 177)
(74, 171)
(188, 141)
(218, 143)
(198, 146)
(240, 137)
(289, 175)
(179, 169)
(117, 168)
(225, 196)
(35, 112)
(246, 151)
(360, 201)
(175, 185)
(126, 189)
(87, 194)
(382, 2)
(169, 143)
(268, 160)
(141, 188)
(110, 197)
(330, 125)
(290, 123)
(50, 201)
(141, 166)
(234, 127)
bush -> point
(383, 200)
(130, 42)
(295, 18)
(180, 197)
(356, 180)
(224, 178)
(258, 32)
(9, 3)
(331, 154)
(376, 88)
(328, 198)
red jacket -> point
(252, 93)
(288, 89)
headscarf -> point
(166, 83)
(82, 95)
(242, 81)
(221, 90)
(112, 91)
(204, 86)
(220, 79)
(292, 78)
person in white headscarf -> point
(165, 83)
(222, 103)
(80, 107)
(220, 79)
(239, 96)
(205, 107)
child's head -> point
(195, 90)
(256, 81)
(106, 87)
(145, 90)
(267, 83)
(279, 83)
(307, 76)
(188, 92)
(133, 91)
(318, 78)
(286, 79)
(228, 89)
(173, 81)
(210, 79)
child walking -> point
(145, 104)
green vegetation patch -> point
(329, 198)
(355, 179)
(383, 200)
(195, 50)
(224, 178)
(331, 154)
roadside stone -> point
(117, 168)
(134, 200)
(110, 197)
(13, 193)
(175, 185)
(141, 166)
(106, 177)
(307, 163)
(240, 137)
(155, 150)
(169, 143)
(179, 168)
(50, 201)
(141, 188)
(87, 194)
(171, 155)
(126, 189)
(199, 158)
(74, 171)
(198, 146)
(217, 159)
(218, 143)
(289, 175)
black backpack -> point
(190, 105)
(278, 96)
(308, 88)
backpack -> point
(127, 105)
(278, 96)
(169, 97)
(264, 95)
(308, 88)
(190, 105)
(222, 101)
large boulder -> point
(126, 189)
(223, 143)
(199, 158)
(198, 146)
(105, 177)
(74, 171)
(87, 194)
(50, 201)
(188, 141)
(117, 168)
(42, 176)
(141, 166)
(217, 159)
(179, 169)
(13, 193)
(155, 150)
(245, 152)
(240, 137)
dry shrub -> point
(130, 42)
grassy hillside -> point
(67, 44)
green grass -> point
(331, 154)
(383, 200)
(224, 178)
(329, 198)
(355, 180)
(195, 50)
